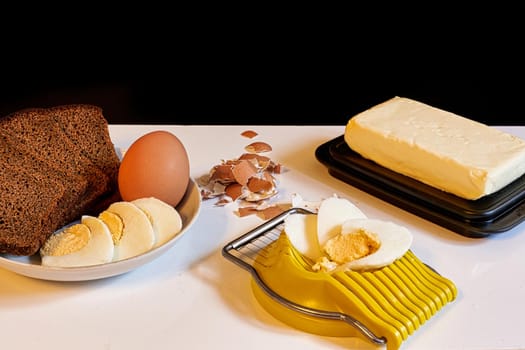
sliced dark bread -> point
(25, 210)
(36, 132)
(69, 207)
(86, 127)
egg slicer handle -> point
(232, 252)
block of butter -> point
(439, 148)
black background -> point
(297, 100)
(266, 65)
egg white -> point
(138, 235)
(395, 242)
(338, 216)
(164, 218)
(99, 248)
(332, 213)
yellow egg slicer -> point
(383, 306)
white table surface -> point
(193, 298)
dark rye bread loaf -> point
(36, 141)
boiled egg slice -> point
(164, 218)
(308, 233)
(301, 230)
(81, 244)
(136, 235)
(394, 241)
(333, 211)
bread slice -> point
(69, 208)
(87, 128)
(36, 132)
(25, 218)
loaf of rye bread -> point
(63, 151)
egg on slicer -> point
(383, 306)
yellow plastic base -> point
(391, 302)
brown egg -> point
(155, 165)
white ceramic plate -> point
(30, 266)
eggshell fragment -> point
(256, 184)
(222, 173)
(234, 190)
(272, 211)
(249, 134)
(265, 212)
(243, 171)
(258, 147)
(261, 162)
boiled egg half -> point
(81, 244)
(341, 237)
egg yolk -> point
(67, 241)
(114, 223)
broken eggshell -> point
(247, 180)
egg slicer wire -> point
(383, 306)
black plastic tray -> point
(495, 213)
